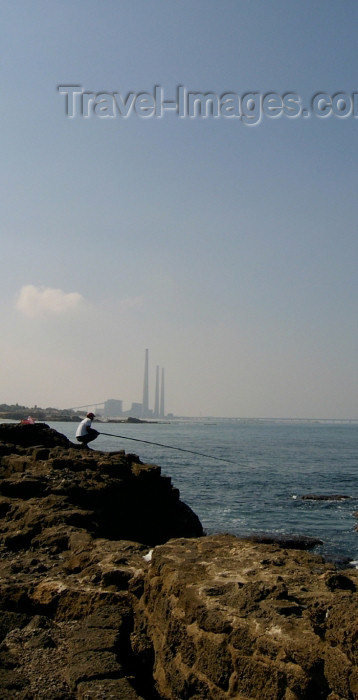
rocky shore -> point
(110, 589)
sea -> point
(251, 475)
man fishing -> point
(85, 433)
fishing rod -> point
(168, 447)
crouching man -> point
(85, 433)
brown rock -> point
(84, 615)
(250, 630)
(118, 689)
(325, 497)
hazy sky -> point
(225, 245)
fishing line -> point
(168, 447)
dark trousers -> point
(90, 435)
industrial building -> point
(113, 408)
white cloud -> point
(38, 301)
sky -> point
(224, 241)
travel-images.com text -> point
(250, 108)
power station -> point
(158, 411)
(145, 402)
(113, 408)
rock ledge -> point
(86, 613)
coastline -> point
(109, 588)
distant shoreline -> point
(50, 418)
(50, 414)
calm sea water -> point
(275, 464)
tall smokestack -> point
(145, 403)
(162, 395)
(156, 402)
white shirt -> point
(82, 428)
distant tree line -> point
(18, 412)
